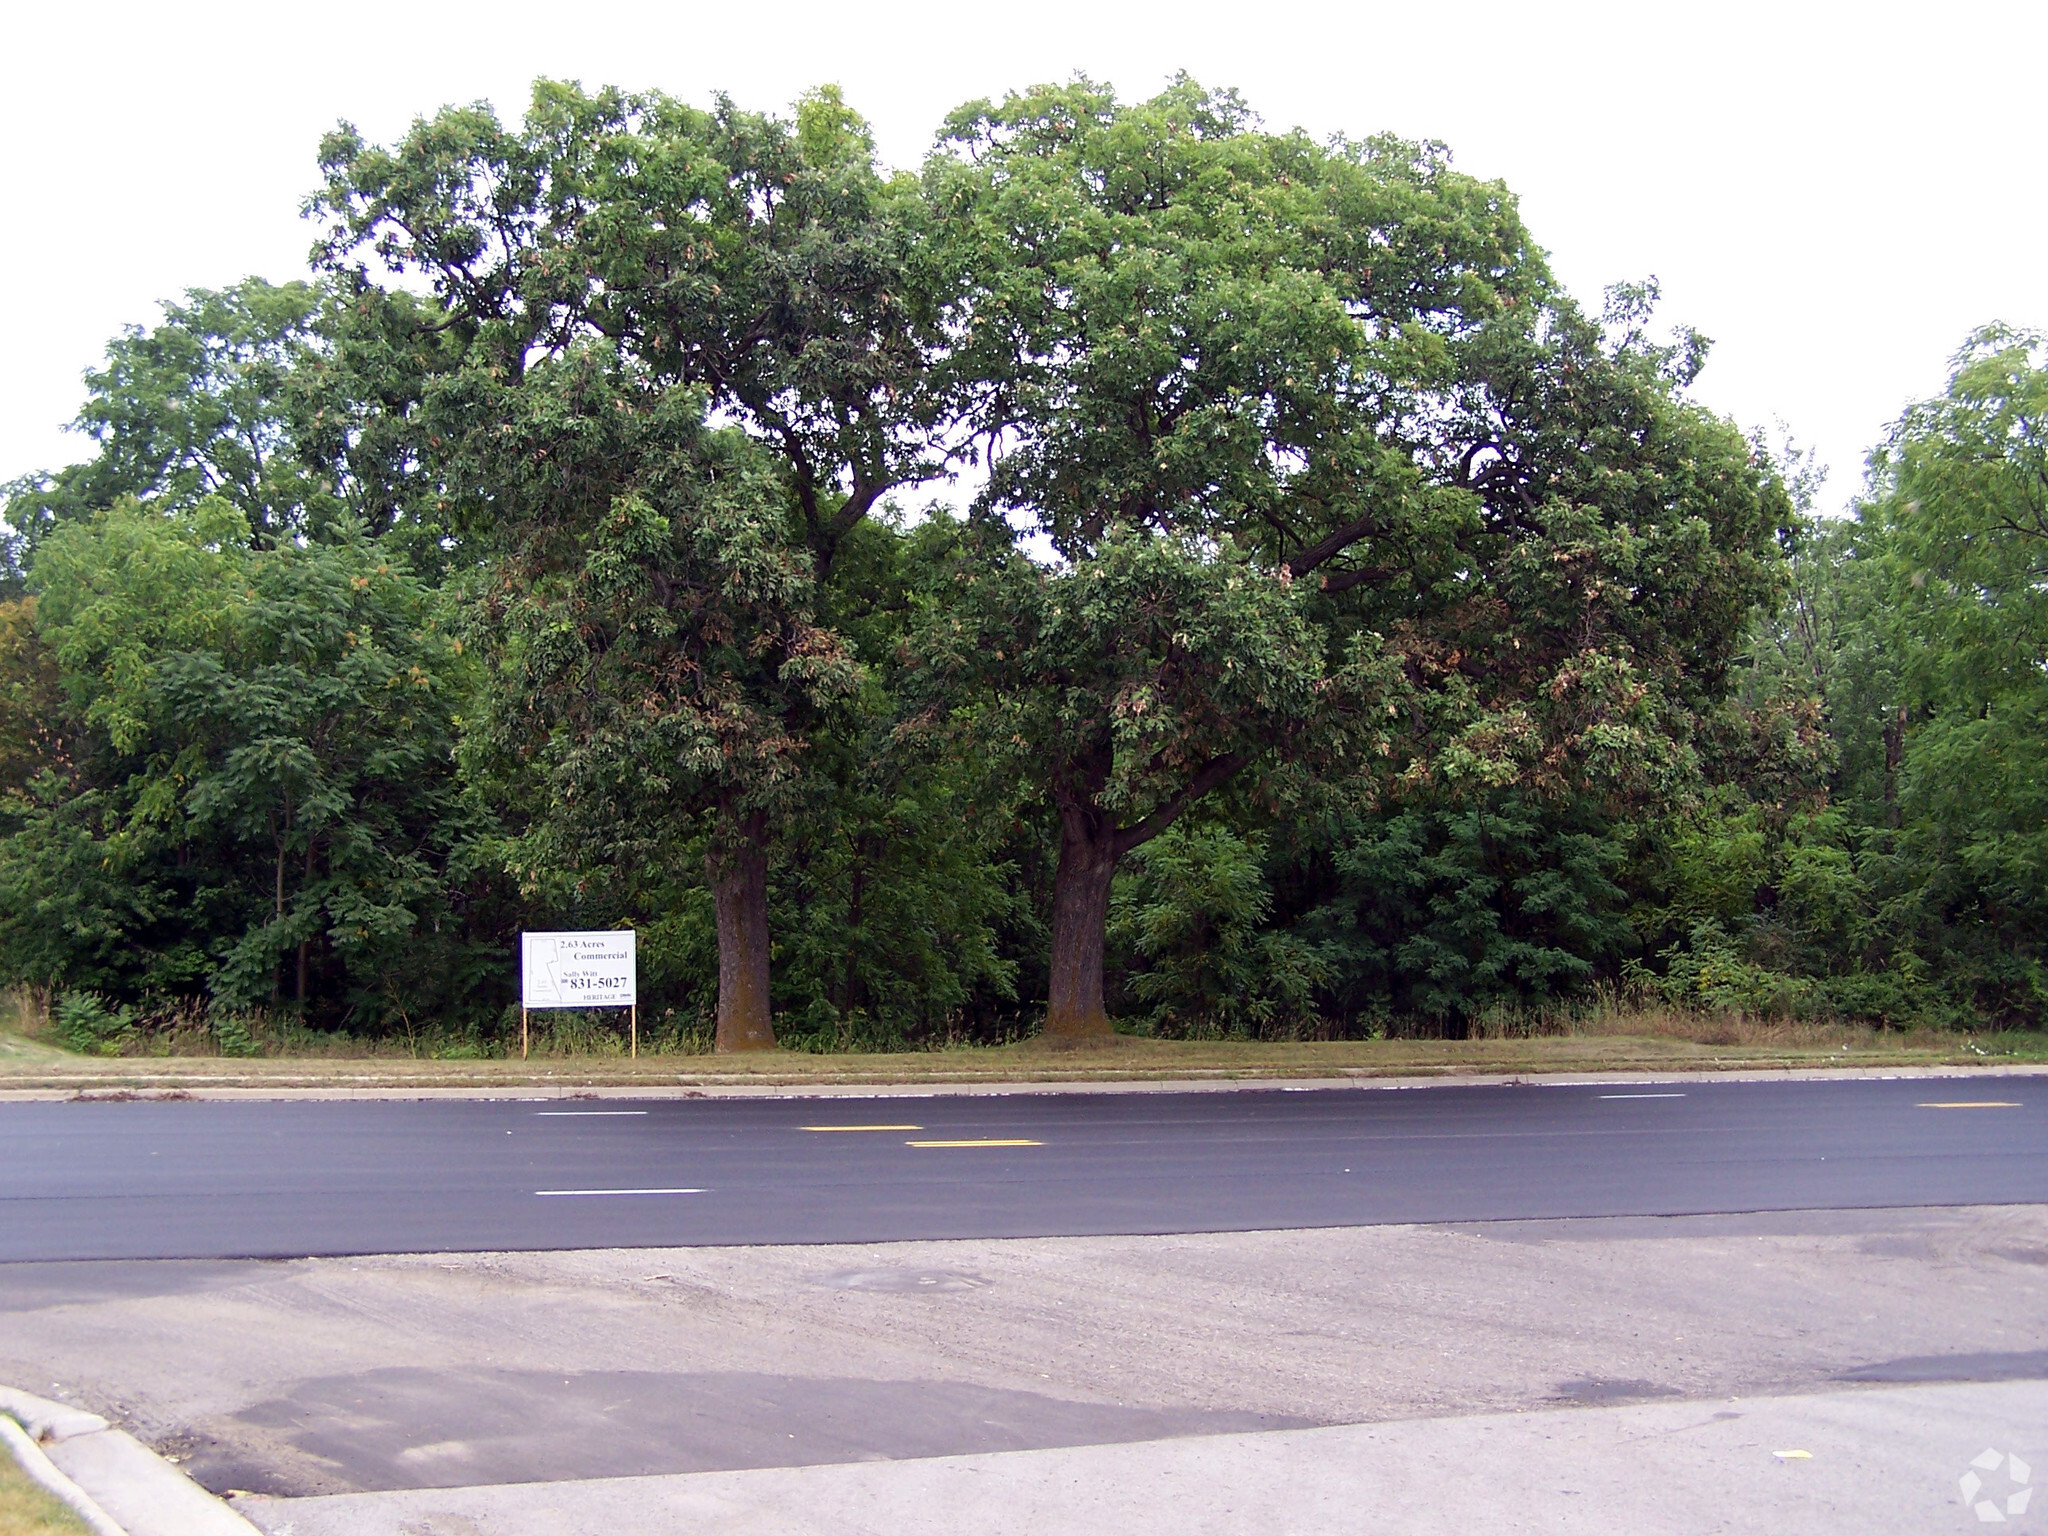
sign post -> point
(579, 970)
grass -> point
(27, 1509)
(572, 1052)
(1617, 1039)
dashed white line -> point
(587, 1114)
(619, 1191)
(1642, 1095)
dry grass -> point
(23, 1014)
(1610, 1017)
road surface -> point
(241, 1179)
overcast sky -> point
(1837, 194)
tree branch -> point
(1211, 774)
(1344, 581)
(1301, 562)
(851, 511)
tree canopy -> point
(1372, 465)
(1340, 628)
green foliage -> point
(1348, 632)
(1199, 959)
(87, 1022)
(263, 769)
(31, 700)
(1141, 676)
(1917, 631)
(232, 1034)
(766, 262)
(649, 624)
(1445, 913)
(290, 403)
(891, 903)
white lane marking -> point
(568, 1114)
(1642, 1095)
(620, 1191)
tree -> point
(1130, 685)
(1323, 407)
(764, 262)
(654, 649)
(1957, 528)
(291, 402)
(262, 763)
(1194, 944)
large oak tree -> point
(1339, 377)
(762, 261)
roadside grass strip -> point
(29, 1509)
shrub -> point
(87, 1022)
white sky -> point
(1835, 193)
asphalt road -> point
(213, 1179)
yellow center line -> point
(1971, 1104)
(860, 1127)
(988, 1143)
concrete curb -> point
(539, 1093)
(117, 1485)
(45, 1420)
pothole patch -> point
(1607, 1389)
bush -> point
(1189, 946)
(232, 1034)
(86, 1022)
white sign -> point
(578, 970)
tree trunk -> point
(303, 883)
(849, 983)
(1080, 920)
(738, 870)
(275, 981)
(1894, 756)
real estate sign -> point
(578, 970)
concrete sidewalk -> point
(1877, 1460)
